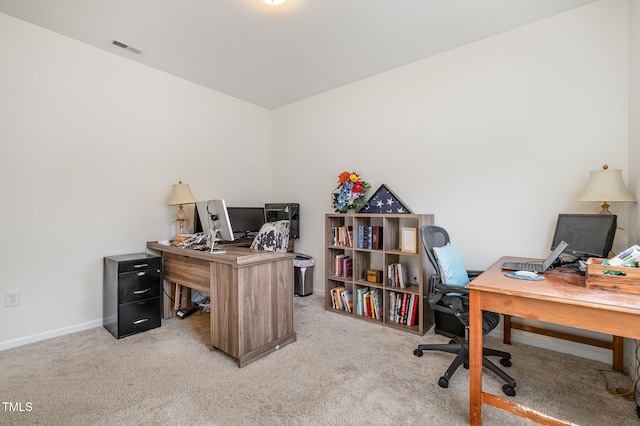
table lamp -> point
(605, 185)
(180, 195)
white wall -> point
(458, 134)
(90, 146)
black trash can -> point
(303, 275)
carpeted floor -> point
(339, 371)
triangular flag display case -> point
(370, 277)
(385, 201)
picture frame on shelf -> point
(408, 242)
(385, 201)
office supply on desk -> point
(560, 292)
(535, 265)
(449, 298)
(524, 275)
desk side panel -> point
(266, 297)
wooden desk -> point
(251, 296)
(559, 299)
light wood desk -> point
(251, 296)
(559, 299)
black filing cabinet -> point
(132, 293)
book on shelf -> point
(414, 310)
(398, 275)
(360, 292)
(403, 308)
(347, 300)
(337, 300)
(366, 306)
(370, 237)
(376, 238)
(342, 236)
(342, 265)
(377, 302)
(392, 305)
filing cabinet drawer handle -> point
(140, 321)
(142, 291)
(141, 273)
(142, 265)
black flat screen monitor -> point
(588, 235)
(213, 213)
(246, 221)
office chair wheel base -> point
(417, 352)
(508, 390)
(506, 362)
(444, 383)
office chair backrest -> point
(433, 236)
(273, 236)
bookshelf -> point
(362, 248)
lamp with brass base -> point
(605, 185)
(180, 195)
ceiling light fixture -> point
(274, 2)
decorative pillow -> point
(273, 236)
(451, 267)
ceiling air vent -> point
(125, 46)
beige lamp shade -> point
(181, 194)
(605, 185)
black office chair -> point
(450, 303)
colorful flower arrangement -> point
(350, 193)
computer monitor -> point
(588, 235)
(246, 220)
(213, 214)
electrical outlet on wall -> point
(11, 298)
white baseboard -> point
(551, 343)
(49, 334)
(564, 346)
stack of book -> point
(342, 299)
(342, 236)
(370, 237)
(342, 266)
(398, 275)
(403, 308)
(369, 302)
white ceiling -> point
(275, 55)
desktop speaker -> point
(285, 211)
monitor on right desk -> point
(588, 235)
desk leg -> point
(475, 359)
(506, 331)
(618, 353)
(168, 290)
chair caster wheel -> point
(506, 362)
(508, 390)
(417, 352)
(444, 383)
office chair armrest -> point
(443, 288)
(473, 273)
